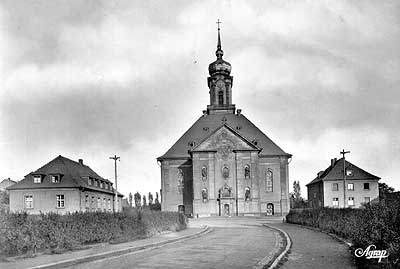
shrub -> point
(377, 224)
(22, 233)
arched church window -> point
(204, 173)
(247, 194)
(246, 171)
(225, 172)
(180, 180)
(204, 195)
(220, 98)
(225, 191)
(269, 181)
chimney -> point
(333, 161)
(80, 161)
(320, 173)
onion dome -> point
(219, 66)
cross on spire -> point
(219, 51)
(218, 22)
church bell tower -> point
(220, 83)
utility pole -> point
(344, 176)
(115, 158)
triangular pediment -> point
(225, 138)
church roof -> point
(209, 123)
(335, 172)
(72, 175)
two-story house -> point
(6, 183)
(62, 186)
(328, 190)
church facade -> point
(223, 165)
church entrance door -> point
(181, 209)
(270, 209)
(226, 210)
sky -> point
(90, 79)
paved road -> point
(312, 249)
(234, 243)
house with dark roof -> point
(328, 189)
(223, 164)
(6, 183)
(62, 186)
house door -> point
(226, 210)
(270, 209)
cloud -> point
(93, 78)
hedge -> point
(377, 224)
(22, 233)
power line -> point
(343, 152)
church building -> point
(224, 165)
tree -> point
(4, 201)
(384, 189)
(144, 200)
(4, 198)
(156, 205)
(138, 199)
(130, 199)
(296, 201)
(296, 190)
(150, 196)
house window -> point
(109, 204)
(90, 181)
(366, 186)
(247, 194)
(349, 173)
(37, 179)
(87, 205)
(315, 195)
(55, 178)
(28, 201)
(60, 200)
(351, 201)
(269, 183)
(367, 200)
(104, 204)
(335, 201)
(247, 171)
(101, 184)
(96, 183)
(98, 203)
(335, 186)
(350, 186)
(92, 206)
(106, 186)
(220, 98)
(204, 173)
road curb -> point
(266, 260)
(104, 255)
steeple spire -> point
(219, 51)
(220, 82)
